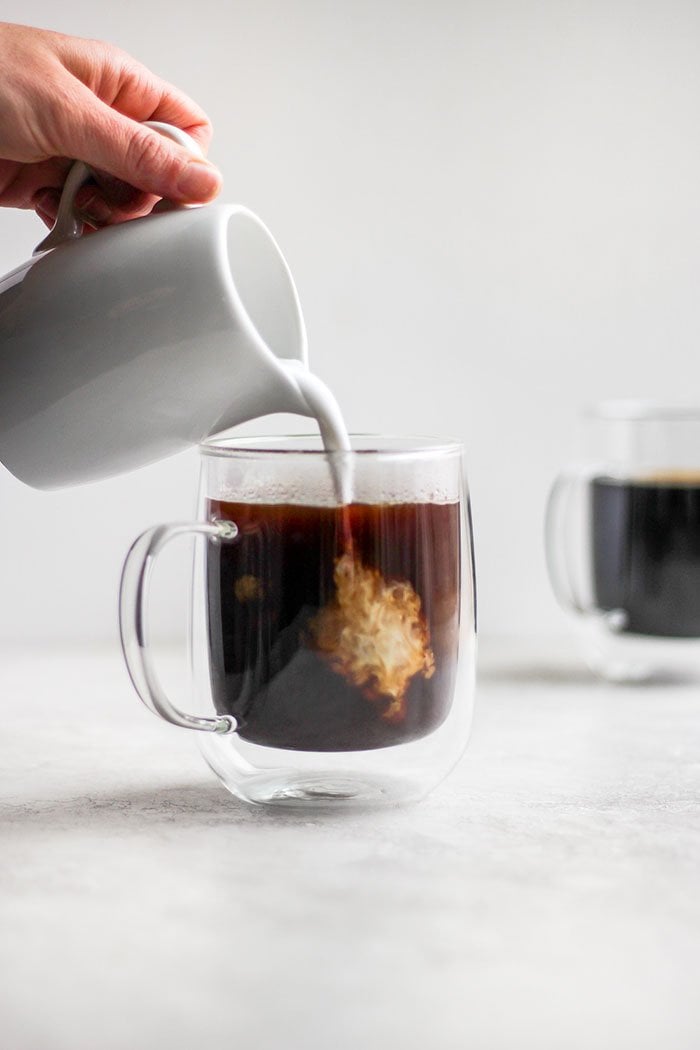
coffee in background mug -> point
(646, 552)
(332, 643)
(623, 541)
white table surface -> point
(547, 895)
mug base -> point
(622, 657)
(294, 789)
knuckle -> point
(148, 155)
(52, 120)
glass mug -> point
(332, 646)
(623, 541)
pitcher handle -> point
(133, 620)
(68, 227)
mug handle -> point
(559, 550)
(133, 620)
(67, 226)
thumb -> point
(140, 156)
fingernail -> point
(46, 217)
(200, 181)
(47, 200)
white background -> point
(491, 212)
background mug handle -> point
(568, 547)
(133, 620)
(559, 541)
(68, 227)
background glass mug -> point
(623, 541)
(332, 646)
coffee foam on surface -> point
(669, 477)
(308, 498)
(313, 485)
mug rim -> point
(310, 444)
(639, 410)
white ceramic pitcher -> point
(142, 339)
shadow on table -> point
(177, 805)
(562, 675)
(537, 674)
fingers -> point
(134, 154)
(84, 99)
(115, 94)
(26, 180)
(131, 89)
(106, 200)
(46, 206)
(101, 202)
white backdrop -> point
(491, 210)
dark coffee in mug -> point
(334, 628)
(646, 552)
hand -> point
(63, 98)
